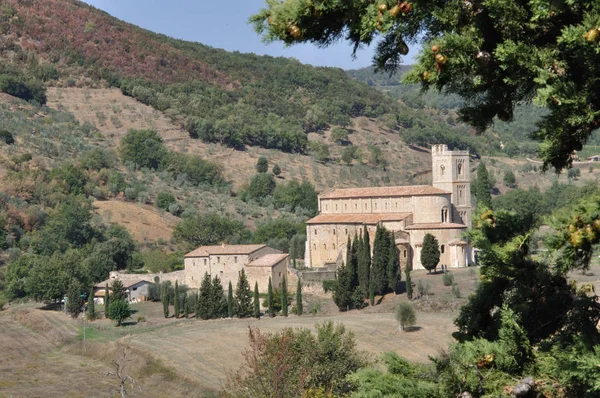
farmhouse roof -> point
(410, 190)
(357, 218)
(436, 225)
(204, 251)
(268, 260)
(126, 284)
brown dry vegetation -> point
(145, 223)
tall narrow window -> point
(442, 169)
(442, 249)
(218, 260)
(235, 259)
(460, 168)
(404, 253)
(334, 246)
(334, 231)
(444, 214)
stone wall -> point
(163, 276)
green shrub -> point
(118, 311)
(143, 148)
(448, 279)
(164, 200)
(406, 315)
(329, 285)
(7, 137)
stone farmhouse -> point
(442, 209)
(226, 261)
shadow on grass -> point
(410, 329)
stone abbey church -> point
(442, 209)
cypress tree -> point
(106, 300)
(186, 306)
(483, 187)
(270, 299)
(197, 307)
(230, 301)
(364, 264)
(379, 266)
(256, 301)
(342, 295)
(409, 291)
(299, 308)
(430, 252)
(392, 274)
(91, 310)
(218, 306)
(165, 301)
(284, 298)
(243, 296)
(372, 290)
(205, 298)
(176, 308)
(353, 265)
(74, 300)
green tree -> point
(348, 154)
(218, 300)
(207, 229)
(492, 72)
(91, 308)
(106, 300)
(74, 299)
(164, 200)
(510, 179)
(270, 299)
(205, 298)
(165, 300)
(364, 263)
(256, 301)
(118, 290)
(430, 252)
(176, 309)
(393, 265)
(261, 186)
(406, 315)
(230, 303)
(483, 187)
(262, 165)
(371, 290)
(186, 306)
(143, 148)
(119, 310)
(284, 297)
(339, 135)
(299, 305)
(343, 289)
(243, 296)
(409, 286)
(276, 170)
(381, 251)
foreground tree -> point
(409, 286)
(205, 298)
(364, 263)
(91, 308)
(393, 265)
(256, 301)
(74, 300)
(284, 297)
(293, 361)
(270, 299)
(483, 187)
(381, 251)
(299, 307)
(119, 311)
(494, 54)
(230, 303)
(430, 253)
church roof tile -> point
(410, 190)
(356, 218)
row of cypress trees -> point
(210, 302)
(363, 277)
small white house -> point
(137, 290)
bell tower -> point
(451, 172)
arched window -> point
(442, 169)
(334, 246)
(444, 214)
(334, 231)
(404, 253)
(315, 246)
(460, 168)
(442, 249)
(325, 246)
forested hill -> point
(230, 98)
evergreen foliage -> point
(510, 179)
(205, 298)
(166, 297)
(230, 302)
(106, 300)
(364, 263)
(243, 296)
(119, 310)
(118, 290)
(186, 306)
(91, 308)
(299, 305)
(372, 290)
(256, 301)
(176, 308)
(393, 265)
(262, 165)
(143, 148)
(218, 302)
(270, 299)
(379, 268)
(284, 297)
(483, 187)
(276, 170)
(74, 299)
(430, 252)
(406, 315)
(409, 286)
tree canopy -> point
(494, 54)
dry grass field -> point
(145, 223)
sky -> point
(225, 25)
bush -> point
(143, 148)
(29, 90)
(7, 137)
(164, 200)
(448, 279)
(261, 186)
(118, 311)
(276, 170)
(406, 315)
(456, 291)
(262, 165)
(329, 285)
